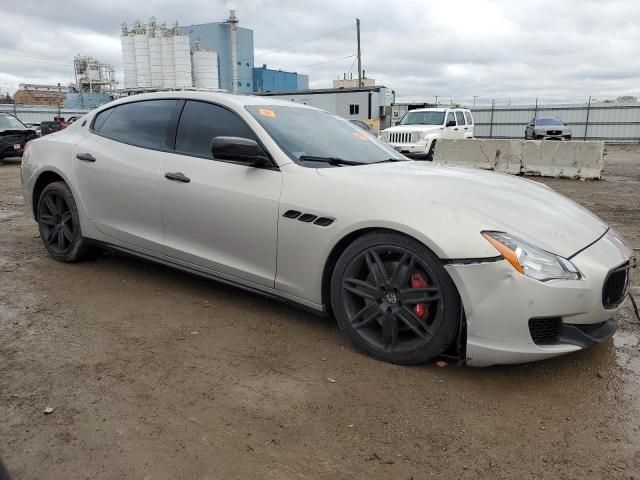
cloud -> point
(502, 49)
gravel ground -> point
(155, 374)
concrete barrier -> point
(563, 159)
(544, 158)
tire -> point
(432, 147)
(59, 224)
(376, 287)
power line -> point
(305, 42)
(303, 66)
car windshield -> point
(311, 136)
(7, 121)
(548, 121)
(423, 118)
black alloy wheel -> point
(394, 299)
(59, 223)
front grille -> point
(545, 331)
(554, 132)
(400, 137)
(616, 286)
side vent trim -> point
(307, 218)
(324, 221)
(292, 214)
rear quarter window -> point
(469, 118)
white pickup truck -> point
(419, 129)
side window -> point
(354, 109)
(201, 121)
(460, 117)
(139, 123)
(450, 118)
(469, 118)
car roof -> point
(228, 99)
(437, 109)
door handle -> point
(177, 176)
(456, 128)
(85, 157)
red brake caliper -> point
(419, 280)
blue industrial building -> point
(268, 80)
(217, 36)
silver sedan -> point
(547, 129)
(412, 259)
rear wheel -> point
(59, 223)
(393, 298)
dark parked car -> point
(13, 136)
(547, 129)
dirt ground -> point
(155, 374)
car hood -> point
(486, 200)
(13, 131)
(413, 128)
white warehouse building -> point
(158, 58)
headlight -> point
(532, 261)
(539, 130)
(424, 136)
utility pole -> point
(474, 100)
(359, 54)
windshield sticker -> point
(267, 113)
(360, 136)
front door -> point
(451, 126)
(219, 215)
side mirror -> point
(237, 149)
(451, 123)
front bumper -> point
(561, 137)
(10, 151)
(499, 304)
(419, 149)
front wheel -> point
(394, 299)
(59, 223)
(432, 147)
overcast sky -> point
(559, 50)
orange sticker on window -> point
(360, 136)
(267, 113)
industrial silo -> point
(128, 58)
(155, 54)
(205, 68)
(168, 62)
(143, 62)
(182, 59)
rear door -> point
(117, 167)
(219, 215)
(462, 124)
(469, 118)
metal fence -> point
(611, 122)
(37, 113)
